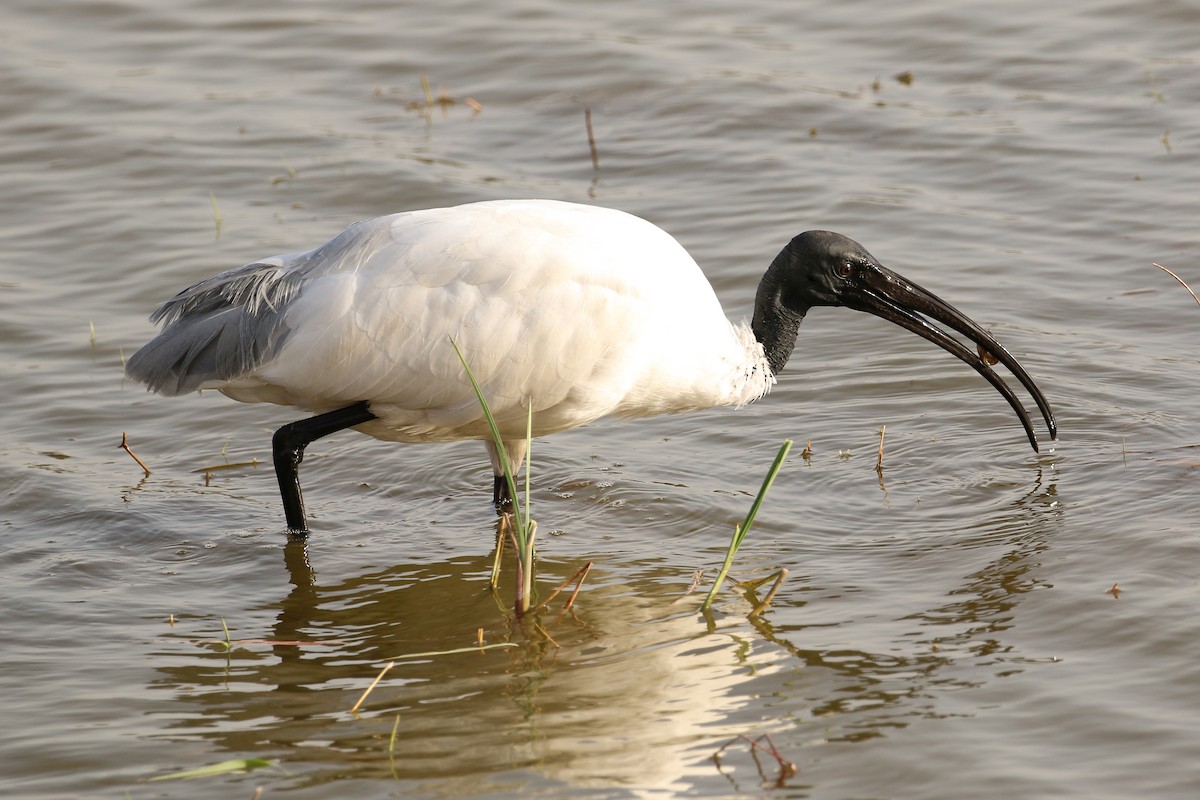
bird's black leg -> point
(500, 496)
(288, 448)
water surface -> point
(947, 628)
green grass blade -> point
(525, 529)
(392, 748)
(740, 531)
(496, 440)
(528, 452)
(762, 491)
(724, 571)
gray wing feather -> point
(224, 327)
(217, 330)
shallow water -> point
(946, 628)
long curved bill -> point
(893, 297)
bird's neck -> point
(775, 323)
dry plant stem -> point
(780, 577)
(587, 118)
(879, 460)
(374, 683)
(537, 627)
(501, 531)
(580, 575)
(587, 568)
(472, 649)
(125, 446)
(1181, 281)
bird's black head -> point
(820, 268)
(817, 268)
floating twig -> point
(218, 467)
(879, 459)
(1181, 281)
(1115, 591)
(374, 683)
(234, 766)
(429, 653)
(697, 576)
(290, 642)
(125, 446)
(787, 769)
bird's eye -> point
(845, 269)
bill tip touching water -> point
(577, 311)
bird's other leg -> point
(288, 449)
(501, 497)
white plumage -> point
(552, 304)
(577, 311)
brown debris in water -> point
(787, 769)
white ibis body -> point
(577, 311)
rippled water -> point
(946, 629)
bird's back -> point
(580, 310)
